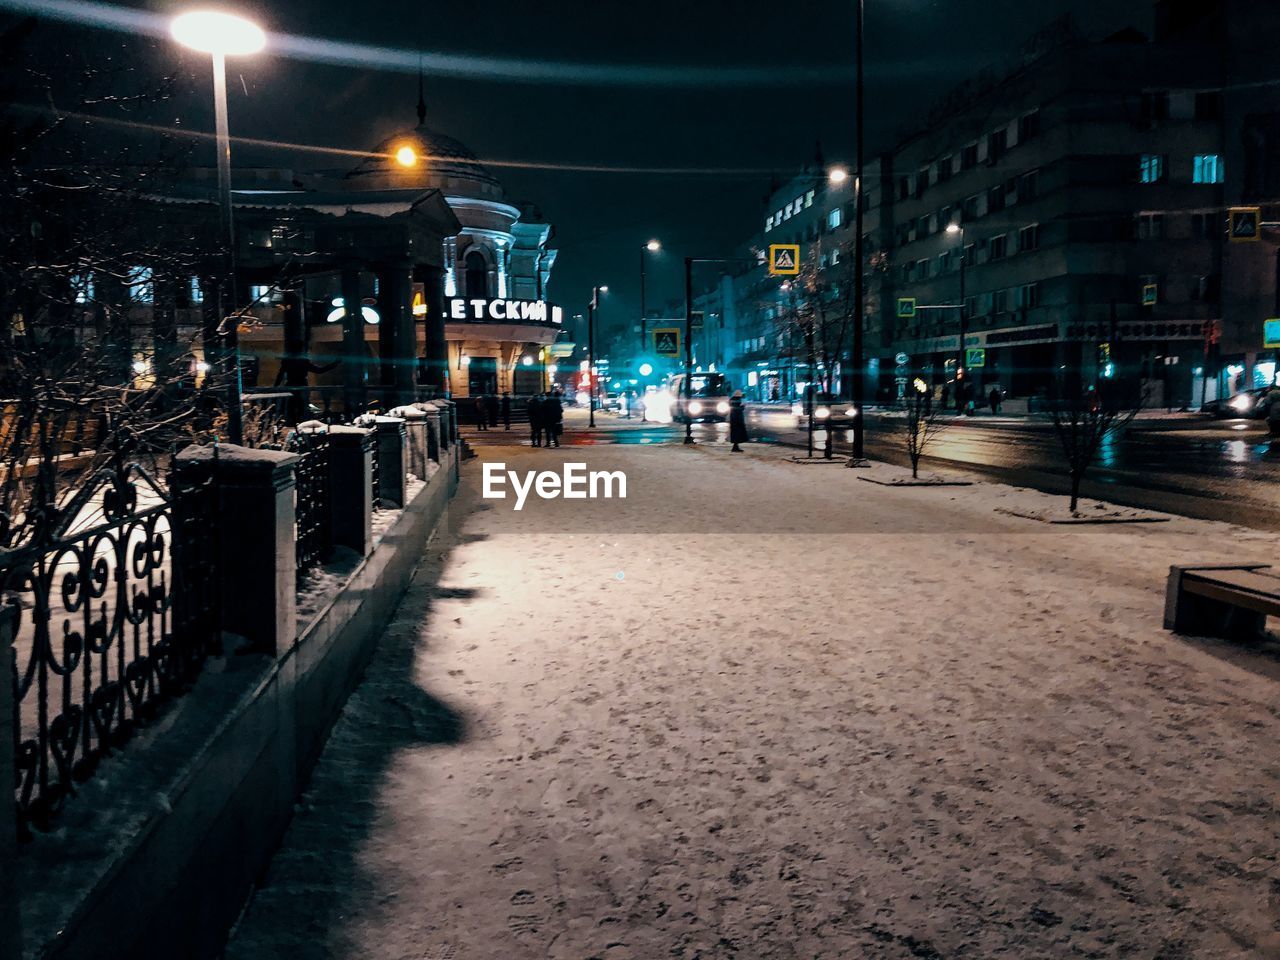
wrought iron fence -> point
(117, 612)
(376, 487)
(315, 536)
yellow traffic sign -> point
(784, 259)
(1246, 224)
(1150, 294)
(666, 341)
(906, 308)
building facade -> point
(1075, 207)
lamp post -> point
(222, 35)
(591, 353)
(859, 364)
(653, 246)
(957, 230)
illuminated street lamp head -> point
(838, 175)
(406, 156)
(953, 228)
(211, 31)
(603, 289)
(653, 246)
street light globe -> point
(406, 156)
(953, 228)
(603, 289)
(653, 246)
(646, 369)
(527, 360)
(211, 31)
(838, 175)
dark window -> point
(477, 285)
(1204, 289)
(995, 199)
(1150, 226)
(1029, 126)
(1155, 106)
(1029, 238)
(998, 143)
(1028, 186)
(969, 157)
(1202, 225)
(904, 188)
(944, 168)
(1209, 105)
(922, 182)
(999, 246)
(970, 209)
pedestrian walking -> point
(553, 414)
(482, 418)
(535, 421)
(506, 410)
(737, 421)
(993, 399)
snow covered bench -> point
(1231, 602)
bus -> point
(708, 398)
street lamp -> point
(591, 353)
(837, 175)
(955, 229)
(653, 246)
(223, 35)
(857, 455)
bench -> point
(1229, 601)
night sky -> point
(916, 49)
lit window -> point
(259, 293)
(1208, 168)
(1151, 168)
(83, 287)
(833, 219)
(768, 223)
(142, 287)
(197, 296)
(808, 199)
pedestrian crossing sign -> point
(784, 259)
(1246, 223)
(1150, 294)
(906, 308)
(666, 341)
(975, 357)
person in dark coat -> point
(506, 411)
(535, 421)
(491, 405)
(737, 421)
(554, 415)
(482, 416)
(994, 400)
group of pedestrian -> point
(489, 407)
(546, 419)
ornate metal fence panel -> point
(116, 615)
(315, 537)
(376, 498)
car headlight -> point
(722, 406)
(851, 412)
(695, 408)
(797, 409)
(1242, 402)
(822, 413)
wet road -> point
(1217, 470)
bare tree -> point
(80, 251)
(923, 424)
(1084, 417)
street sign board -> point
(975, 357)
(1246, 224)
(784, 259)
(1271, 333)
(1150, 294)
(666, 341)
(906, 308)
(419, 305)
(561, 349)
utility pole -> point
(688, 347)
(859, 364)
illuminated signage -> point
(504, 311)
(419, 300)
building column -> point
(353, 388)
(435, 350)
(397, 343)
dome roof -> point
(443, 162)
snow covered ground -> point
(763, 710)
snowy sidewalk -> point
(909, 728)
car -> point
(1251, 404)
(828, 411)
